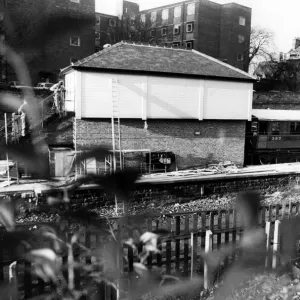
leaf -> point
(141, 269)
(7, 216)
(150, 241)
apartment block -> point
(221, 31)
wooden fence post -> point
(12, 276)
(193, 256)
(268, 231)
(276, 243)
(208, 248)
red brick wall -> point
(219, 140)
(50, 54)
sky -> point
(279, 16)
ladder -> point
(116, 139)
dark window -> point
(241, 39)
(176, 44)
(189, 27)
(75, 41)
(275, 127)
(240, 57)
(112, 23)
(164, 31)
(97, 20)
(152, 33)
(263, 128)
(295, 128)
(189, 44)
(176, 29)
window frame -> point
(186, 43)
(153, 13)
(166, 31)
(98, 20)
(187, 8)
(162, 14)
(143, 18)
(242, 55)
(79, 41)
(151, 31)
(241, 39)
(176, 43)
(176, 27)
(110, 23)
(242, 21)
(189, 24)
(180, 10)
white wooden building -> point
(166, 84)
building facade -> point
(221, 31)
(107, 30)
(184, 115)
(50, 34)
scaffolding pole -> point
(6, 141)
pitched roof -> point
(153, 59)
(276, 100)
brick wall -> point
(51, 51)
(229, 31)
(218, 141)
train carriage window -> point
(295, 128)
(263, 128)
(275, 128)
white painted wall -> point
(70, 91)
(155, 97)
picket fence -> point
(190, 234)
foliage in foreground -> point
(45, 248)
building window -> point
(112, 23)
(241, 39)
(75, 1)
(97, 35)
(240, 57)
(176, 44)
(153, 16)
(295, 128)
(190, 9)
(164, 31)
(1, 16)
(152, 33)
(242, 21)
(176, 29)
(189, 27)
(143, 18)
(75, 41)
(177, 12)
(132, 21)
(97, 20)
(189, 44)
(165, 14)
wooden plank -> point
(177, 244)
(186, 246)
(208, 248)
(263, 215)
(290, 209)
(150, 256)
(219, 235)
(297, 208)
(27, 280)
(283, 213)
(277, 208)
(227, 220)
(234, 225)
(276, 244)
(270, 213)
(88, 259)
(1, 255)
(168, 249)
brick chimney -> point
(296, 43)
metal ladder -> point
(116, 140)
